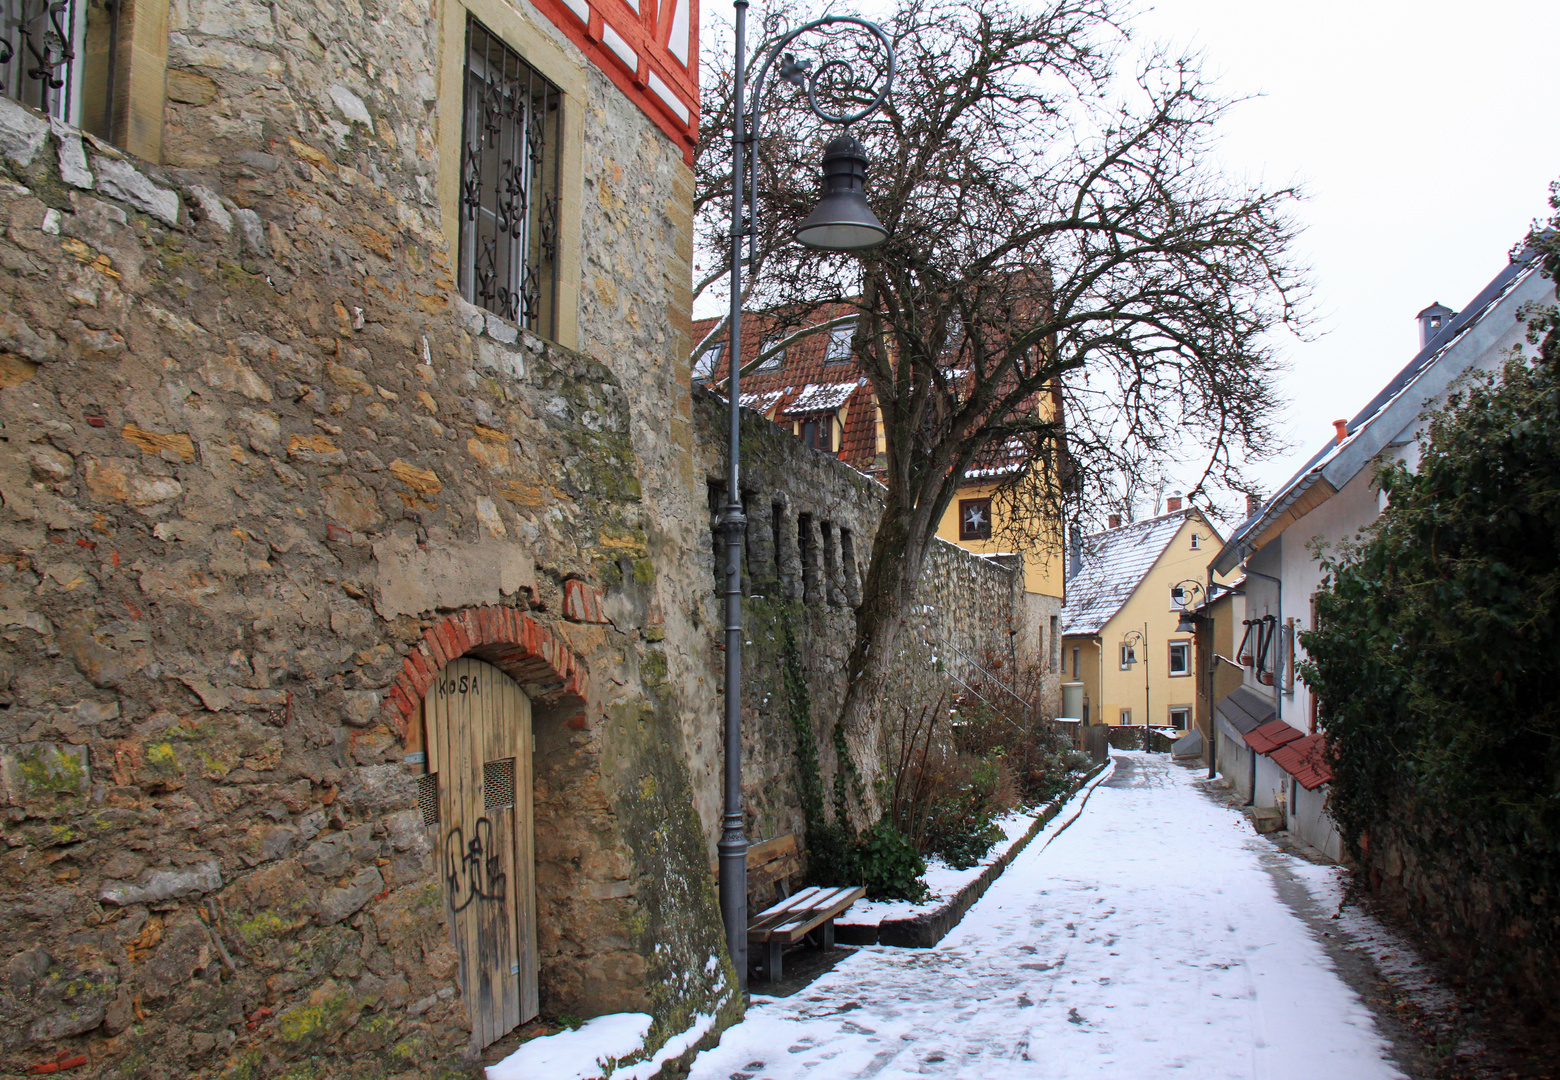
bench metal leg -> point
(772, 960)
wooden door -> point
(477, 724)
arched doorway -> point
(476, 796)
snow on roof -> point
(764, 400)
(822, 397)
(1114, 562)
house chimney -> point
(1340, 430)
(1113, 521)
(1432, 320)
(1173, 503)
(1253, 503)
(1074, 550)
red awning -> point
(1271, 735)
(1306, 760)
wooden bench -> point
(794, 918)
(772, 864)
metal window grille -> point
(511, 136)
(498, 784)
(41, 44)
(428, 797)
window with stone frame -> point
(511, 136)
(1180, 659)
(67, 58)
(974, 519)
(1180, 717)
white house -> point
(1268, 739)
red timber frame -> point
(633, 46)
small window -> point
(1180, 658)
(1180, 717)
(1126, 716)
(1196, 541)
(775, 361)
(704, 366)
(837, 351)
(509, 185)
(1075, 663)
(974, 519)
(1128, 656)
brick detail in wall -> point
(511, 641)
(581, 603)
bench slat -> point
(790, 922)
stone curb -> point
(924, 931)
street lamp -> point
(842, 221)
(1184, 595)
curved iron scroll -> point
(799, 73)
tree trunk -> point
(886, 598)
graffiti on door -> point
(473, 869)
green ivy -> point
(1437, 659)
(831, 845)
(890, 867)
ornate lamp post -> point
(842, 221)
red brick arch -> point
(510, 640)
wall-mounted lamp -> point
(1185, 595)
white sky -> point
(1425, 133)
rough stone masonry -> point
(263, 475)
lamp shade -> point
(842, 220)
(1188, 623)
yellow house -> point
(1120, 624)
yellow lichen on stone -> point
(422, 481)
(152, 442)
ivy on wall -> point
(1436, 657)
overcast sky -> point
(1426, 134)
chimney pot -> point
(1253, 503)
(1174, 502)
(1340, 430)
(1113, 521)
(1432, 320)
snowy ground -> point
(944, 883)
(1147, 940)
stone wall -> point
(263, 476)
(811, 523)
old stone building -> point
(350, 710)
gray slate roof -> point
(1424, 381)
(1114, 562)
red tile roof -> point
(1306, 760)
(1271, 735)
(806, 381)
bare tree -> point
(1070, 284)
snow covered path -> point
(1147, 940)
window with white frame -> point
(1180, 658)
(1180, 717)
(704, 365)
(837, 351)
(775, 361)
(1126, 716)
(510, 142)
